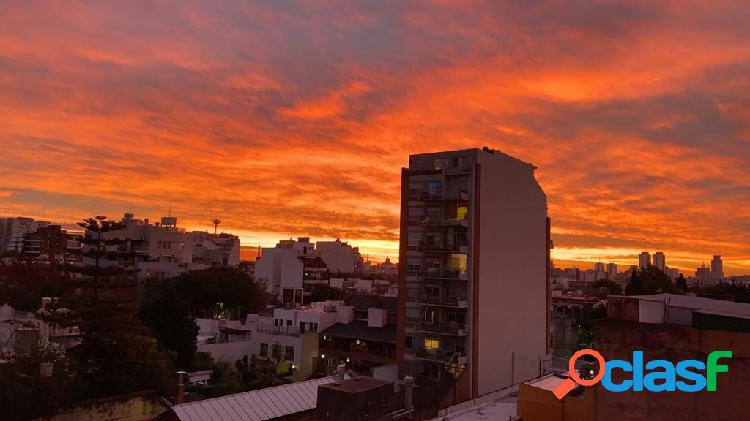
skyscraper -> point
(473, 272)
(717, 269)
(660, 261)
(644, 260)
(611, 271)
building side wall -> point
(512, 273)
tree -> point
(649, 281)
(612, 287)
(681, 283)
(115, 355)
(221, 292)
(259, 374)
(167, 314)
(24, 283)
(25, 394)
(324, 293)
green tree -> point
(221, 292)
(324, 292)
(115, 354)
(612, 287)
(168, 316)
(25, 394)
(681, 283)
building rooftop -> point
(361, 302)
(359, 330)
(698, 304)
(263, 404)
(356, 385)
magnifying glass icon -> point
(573, 378)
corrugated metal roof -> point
(259, 405)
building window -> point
(431, 344)
(461, 212)
(289, 353)
(433, 188)
(288, 322)
(432, 291)
(276, 351)
(457, 262)
(302, 327)
(409, 342)
(313, 327)
(439, 164)
(415, 238)
(430, 316)
(264, 350)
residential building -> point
(13, 232)
(644, 260)
(155, 250)
(288, 337)
(660, 261)
(702, 276)
(339, 256)
(674, 328)
(215, 250)
(366, 343)
(611, 271)
(51, 243)
(717, 269)
(673, 273)
(291, 270)
(473, 273)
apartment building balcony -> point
(440, 274)
(450, 302)
(280, 330)
(428, 221)
(426, 196)
(440, 355)
(445, 328)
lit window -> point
(461, 212)
(457, 262)
(431, 344)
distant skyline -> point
(286, 119)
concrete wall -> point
(229, 352)
(512, 273)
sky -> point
(294, 118)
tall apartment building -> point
(611, 271)
(473, 273)
(660, 261)
(14, 230)
(717, 269)
(644, 260)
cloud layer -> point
(286, 118)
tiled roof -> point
(256, 405)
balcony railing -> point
(280, 330)
(448, 328)
(440, 274)
(454, 302)
(440, 355)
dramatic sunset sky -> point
(287, 119)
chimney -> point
(180, 397)
(340, 370)
(409, 393)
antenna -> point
(216, 225)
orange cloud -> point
(294, 119)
